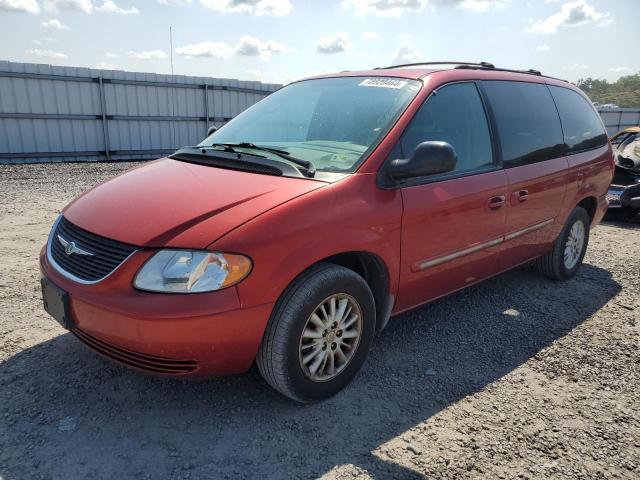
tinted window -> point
(581, 124)
(454, 114)
(528, 123)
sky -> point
(278, 41)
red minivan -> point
(291, 235)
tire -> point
(552, 264)
(281, 355)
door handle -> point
(496, 202)
(520, 196)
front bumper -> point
(193, 335)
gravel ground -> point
(518, 377)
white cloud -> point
(109, 6)
(370, 35)
(336, 43)
(148, 55)
(177, 3)
(483, 5)
(272, 8)
(42, 41)
(251, 46)
(247, 46)
(206, 49)
(407, 53)
(28, 6)
(53, 23)
(46, 53)
(475, 5)
(84, 6)
(619, 69)
(107, 66)
(571, 14)
(607, 20)
(543, 48)
(383, 8)
(111, 55)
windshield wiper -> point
(307, 165)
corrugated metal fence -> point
(619, 118)
(50, 113)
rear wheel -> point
(564, 259)
(319, 334)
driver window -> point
(453, 114)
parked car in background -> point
(624, 192)
(293, 233)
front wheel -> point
(564, 259)
(319, 334)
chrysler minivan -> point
(292, 234)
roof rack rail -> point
(465, 65)
(531, 71)
(417, 64)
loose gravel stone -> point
(518, 377)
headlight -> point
(191, 271)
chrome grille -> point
(105, 254)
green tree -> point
(625, 92)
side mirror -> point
(211, 130)
(428, 158)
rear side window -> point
(581, 124)
(527, 121)
(453, 114)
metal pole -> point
(171, 47)
(173, 98)
(206, 108)
(619, 119)
(105, 129)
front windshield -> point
(332, 122)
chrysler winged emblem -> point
(71, 248)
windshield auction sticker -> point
(383, 83)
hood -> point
(177, 204)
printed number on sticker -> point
(383, 83)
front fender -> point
(350, 215)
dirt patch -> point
(519, 377)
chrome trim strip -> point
(531, 228)
(68, 275)
(481, 246)
(460, 253)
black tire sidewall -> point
(343, 281)
(579, 214)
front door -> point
(452, 224)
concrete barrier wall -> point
(51, 113)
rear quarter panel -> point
(590, 174)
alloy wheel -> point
(574, 245)
(330, 337)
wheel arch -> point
(370, 267)
(590, 204)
